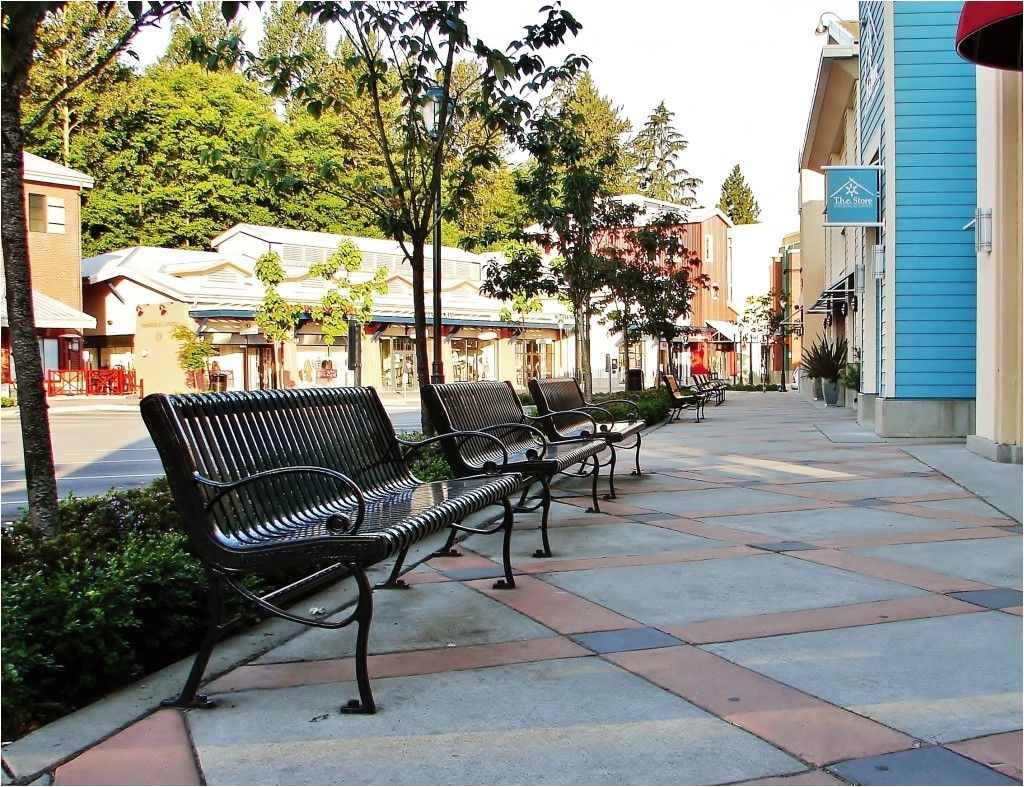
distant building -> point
(53, 209)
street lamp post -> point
(431, 118)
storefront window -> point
(398, 363)
(467, 360)
(533, 359)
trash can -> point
(218, 382)
(634, 379)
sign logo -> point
(852, 197)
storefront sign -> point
(852, 197)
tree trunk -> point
(40, 474)
(419, 306)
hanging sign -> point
(852, 197)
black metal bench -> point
(682, 399)
(493, 408)
(564, 414)
(713, 387)
(308, 479)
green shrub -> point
(113, 596)
(428, 463)
(7, 401)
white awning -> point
(729, 331)
(51, 313)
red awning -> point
(989, 34)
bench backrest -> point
(233, 435)
(556, 395)
(470, 407)
(672, 384)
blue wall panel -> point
(933, 149)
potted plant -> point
(824, 361)
(849, 378)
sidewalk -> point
(765, 605)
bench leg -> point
(362, 616)
(506, 548)
(394, 581)
(545, 504)
(596, 508)
(188, 698)
(611, 473)
(636, 456)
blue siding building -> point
(917, 121)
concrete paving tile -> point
(153, 751)
(755, 626)
(783, 546)
(967, 689)
(996, 598)
(697, 528)
(390, 665)
(1001, 752)
(417, 618)
(555, 608)
(625, 639)
(888, 487)
(719, 502)
(931, 765)
(659, 595)
(894, 572)
(964, 505)
(817, 523)
(998, 562)
(575, 721)
(805, 726)
(607, 539)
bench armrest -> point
(338, 524)
(574, 411)
(634, 413)
(519, 426)
(410, 447)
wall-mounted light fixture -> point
(983, 229)
(878, 261)
(822, 28)
(858, 277)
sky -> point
(738, 76)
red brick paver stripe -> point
(892, 539)
(807, 777)
(650, 559)
(153, 751)
(753, 626)
(392, 665)
(1001, 752)
(940, 514)
(894, 572)
(555, 608)
(806, 727)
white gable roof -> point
(43, 170)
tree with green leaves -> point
(70, 41)
(295, 47)
(651, 277)
(763, 321)
(20, 34)
(398, 51)
(155, 186)
(737, 200)
(195, 23)
(567, 188)
(657, 148)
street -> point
(102, 449)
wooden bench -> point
(493, 407)
(713, 387)
(303, 479)
(565, 414)
(681, 398)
